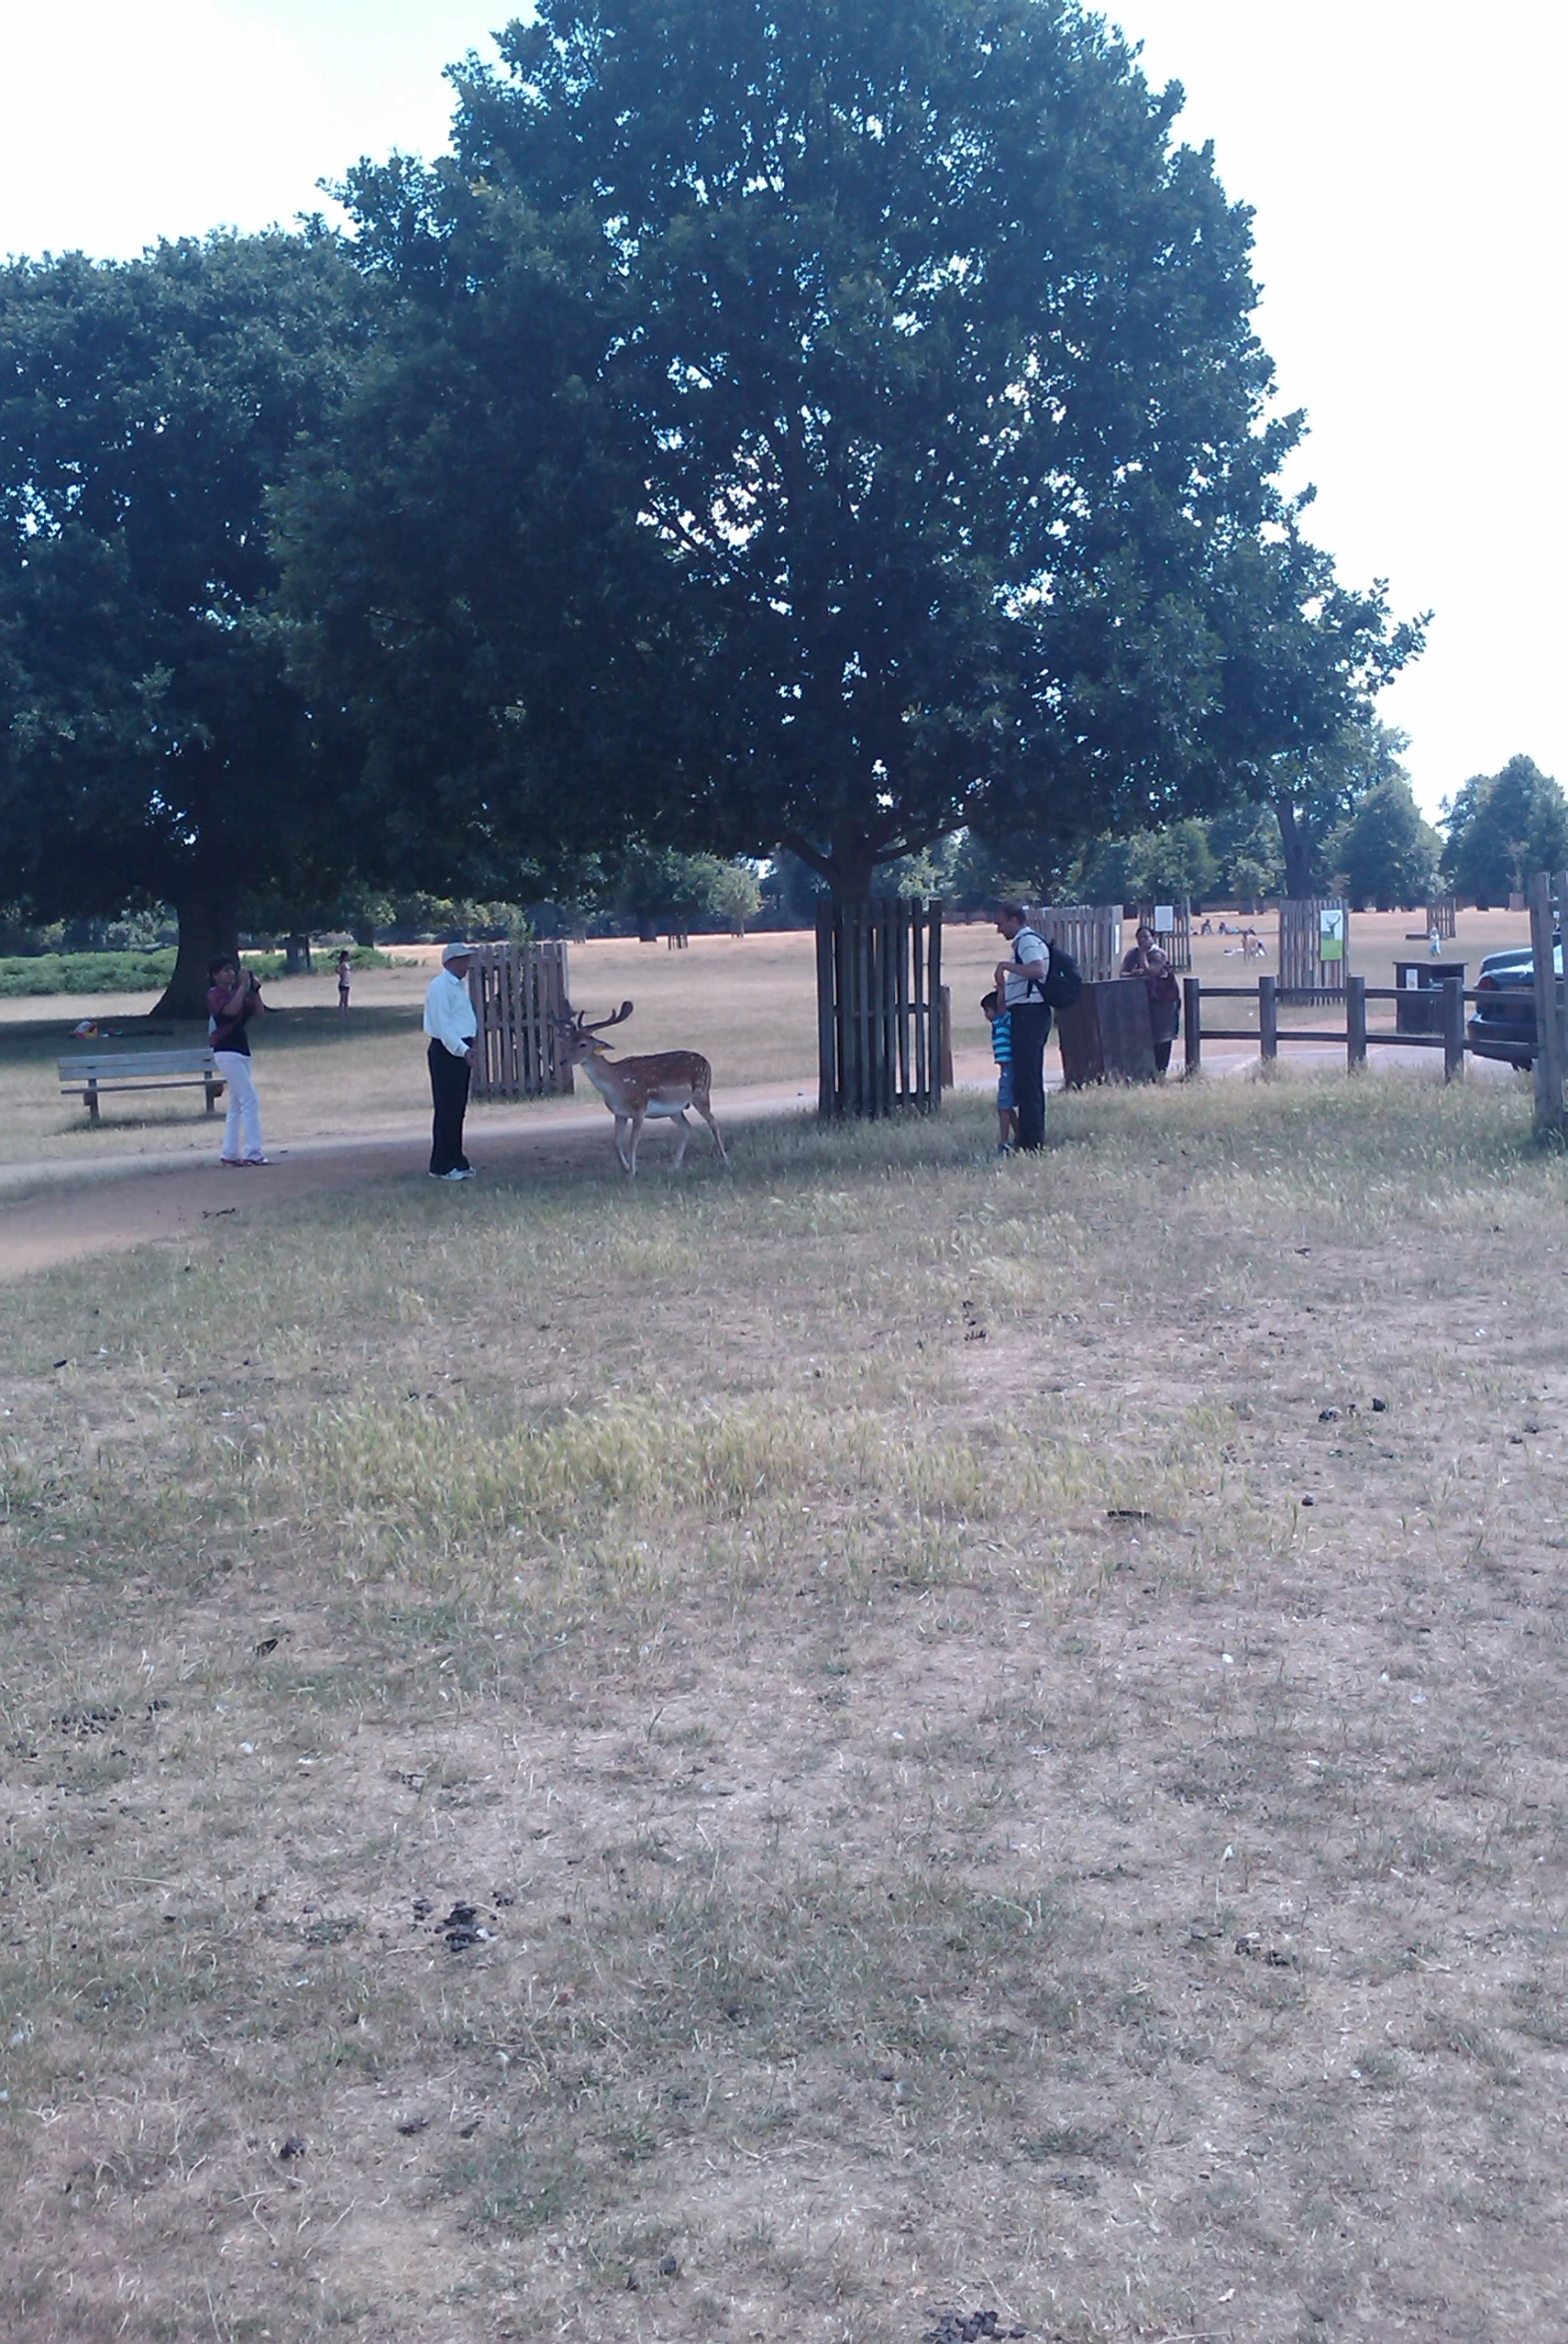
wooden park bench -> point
(140, 1069)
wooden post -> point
(1453, 1029)
(1268, 1020)
(1193, 1022)
(941, 1002)
(827, 1038)
(1550, 1049)
(1355, 1023)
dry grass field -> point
(784, 1754)
(750, 1006)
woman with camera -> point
(233, 999)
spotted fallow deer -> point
(633, 1089)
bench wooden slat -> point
(117, 1064)
(88, 1079)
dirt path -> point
(107, 1208)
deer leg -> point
(683, 1133)
(626, 1162)
(706, 1112)
(637, 1134)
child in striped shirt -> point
(1002, 1051)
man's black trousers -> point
(1031, 1021)
(450, 1090)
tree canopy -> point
(1503, 827)
(829, 427)
(152, 746)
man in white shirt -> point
(451, 1025)
(1021, 990)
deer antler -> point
(587, 1025)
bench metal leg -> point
(90, 1101)
(214, 1094)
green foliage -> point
(1315, 791)
(85, 972)
(874, 388)
(151, 746)
(1150, 866)
(1503, 827)
(1385, 853)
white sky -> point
(1403, 159)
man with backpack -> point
(1021, 990)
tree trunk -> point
(296, 956)
(208, 914)
(365, 933)
(1297, 843)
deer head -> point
(581, 1036)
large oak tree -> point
(919, 352)
(153, 747)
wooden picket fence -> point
(1304, 974)
(1176, 942)
(1092, 933)
(519, 992)
(881, 1040)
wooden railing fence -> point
(1357, 1037)
(519, 992)
(881, 1042)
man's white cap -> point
(456, 951)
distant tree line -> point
(808, 436)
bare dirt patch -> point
(804, 1755)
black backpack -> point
(1063, 983)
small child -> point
(1002, 1051)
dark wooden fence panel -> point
(519, 993)
(1305, 972)
(880, 1043)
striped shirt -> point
(1002, 1039)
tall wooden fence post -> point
(1268, 1020)
(1453, 1029)
(1193, 1022)
(1355, 1023)
(1548, 898)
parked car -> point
(1503, 1026)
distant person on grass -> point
(1020, 991)
(345, 973)
(1002, 1051)
(233, 997)
(451, 1025)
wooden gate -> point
(1440, 915)
(1092, 933)
(879, 1006)
(519, 991)
(1315, 950)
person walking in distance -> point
(233, 997)
(1020, 991)
(451, 1025)
(345, 975)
